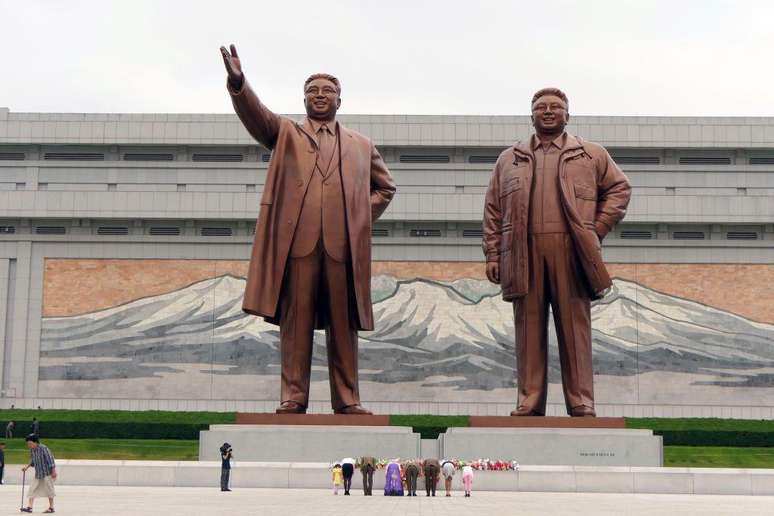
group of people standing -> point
(401, 476)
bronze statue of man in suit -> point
(550, 202)
(311, 259)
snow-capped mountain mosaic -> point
(457, 335)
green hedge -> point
(75, 424)
(709, 431)
(429, 427)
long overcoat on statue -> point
(368, 189)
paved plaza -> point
(174, 501)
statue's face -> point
(549, 114)
(321, 99)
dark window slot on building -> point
(112, 230)
(472, 233)
(380, 232)
(7, 230)
(741, 191)
(42, 186)
(21, 186)
(425, 232)
(762, 160)
(670, 190)
(229, 158)
(112, 187)
(266, 158)
(50, 230)
(74, 156)
(637, 160)
(164, 231)
(11, 156)
(482, 159)
(742, 235)
(704, 160)
(688, 235)
(216, 232)
(413, 158)
(636, 234)
(148, 157)
(250, 188)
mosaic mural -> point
(434, 340)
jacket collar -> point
(345, 135)
(525, 147)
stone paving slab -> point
(179, 501)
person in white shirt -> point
(448, 468)
(348, 469)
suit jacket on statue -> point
(366, 183)
(594, 194)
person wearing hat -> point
(45, 473)
(225, 468)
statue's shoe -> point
(525, 411)
(354, 410)
(291, 407)
(582, 411)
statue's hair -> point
(327, 77)
(550, 91)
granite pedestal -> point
(556, 446)
(308, 443)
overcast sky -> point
(478, 57)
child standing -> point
(467, 479)
(338, 478)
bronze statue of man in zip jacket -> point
(550, 202)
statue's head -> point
(550, 111)
(322, 96)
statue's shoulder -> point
(592, 148)
(358, 137)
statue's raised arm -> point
(259, 121)
(233, 67)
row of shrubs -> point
(112, 430)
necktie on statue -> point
(327, 143)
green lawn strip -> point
(16, 451)
(429, 426)
(709, 431)
(718, 457)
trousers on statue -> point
(317, 288)
(555, 280)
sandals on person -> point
(26, 509)
(49, 510)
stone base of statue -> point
(557, 446)
(308, 442)
(529, 440)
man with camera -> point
(225, 468)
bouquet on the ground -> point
(479, 464)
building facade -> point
(124, 242)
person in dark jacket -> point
(367, 465)
(431, 468)
(226, 453)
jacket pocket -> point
(585, 191)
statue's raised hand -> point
(233, 67)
